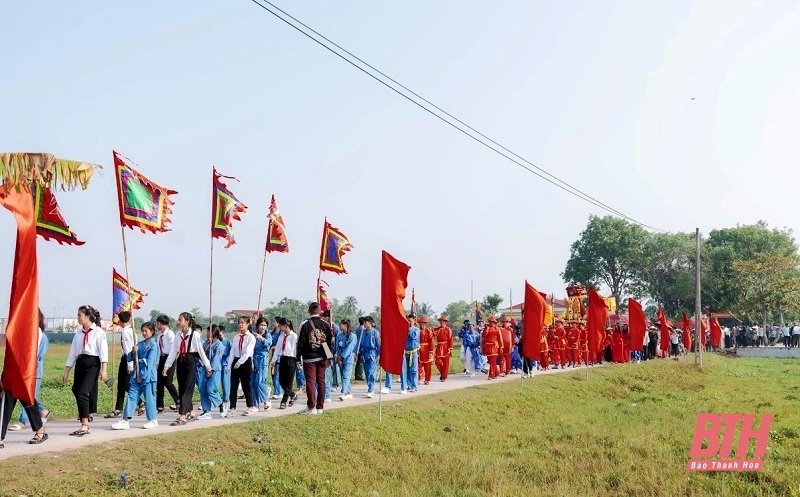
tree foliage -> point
(491, 303)
(607, 252)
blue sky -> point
(600, 95)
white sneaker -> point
(308, 411)
(384, 390)
(122, 424)
(224, 413)
(277, 397)
(205, 415)
(15, 427)
(151, 424)
(402, 392)
(369, 395)
(346, 396)
(319, 411)
(267, 406)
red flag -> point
(716, 333)
(596, 324)
(687, 335)
(322, 295)
(19, 366)
(662, 321)
(534, 308)
(276, 230)
(637, 324)
(394, 324)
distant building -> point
(515, 311)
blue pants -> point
(225, 380)
(477, 361)
(134, 392)
(408, 380)
(209, 389)
(328, 375)
(370, 366)
(300, 377)
(334, 375)
(387, 382)
(258, 383)
(347, 372)
(23, 416)
(276, 382)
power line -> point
(489, 143)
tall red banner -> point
(637, 324)
(596, 325)
(394, 324)
(535, 308)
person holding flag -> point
(408, 380)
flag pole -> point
(261, 284)
(130, 302)
(211, 281)
(380, 396)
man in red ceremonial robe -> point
(616, 345)
(444, 347)
(491, 345)
(626, 344)
(561, 343)
(544, 357)
(573, 341)
(507, 334)
(425, 351)
(551, 346)
(583, 343)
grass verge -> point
(627, 430)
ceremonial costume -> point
(369, 349)
(143, 383)
(544, 357)
(345, 350)
(258, 378)
(209, 386)
(573, 340)
(408, 380)
(473, 342)
(507, 337)
(444, 347)
(425, 351)
(462, 333)
(492, 344)
(561, 346)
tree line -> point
(752, 271)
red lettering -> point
(731, 420)
(761, 435)
(701, 432)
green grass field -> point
(627, 430)
(59, 399)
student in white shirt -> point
(187, 349)
(165, 340)
(89, 355)
(127, 339)
(243, 345)
(285, 357)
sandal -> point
(282, 406)
(81, 432)
(160, 409)
(178, 422)
(2, 445)
(113, 414)
(292, 399)
(38, 438)
(140, 412)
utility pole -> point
(698, 326)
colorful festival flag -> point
(322, 295)
(142, 203)
(50, 224)
(276, 231)
(19, 366)
(125, 297)
(225, 208)
(394, 324)
(334, 245)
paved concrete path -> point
(16, 442)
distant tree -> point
(608, 251)
(425, 309)
(457, 312)
(376, 315)
(137, 323)
(155, 313)
(491, 303)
